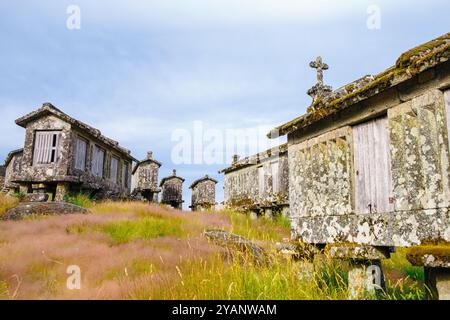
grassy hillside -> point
(131, 250)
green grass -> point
(124, 231)
(4, 290)
(399, 262)
(145, 229)
(81, 200)
(134, 269)
(215, 279)
(260, 229)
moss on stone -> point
(416, 254)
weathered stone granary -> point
(259, 183)
(172, 191)
(145, 179)
(64, 155)
(2, 177)
(12, 166)
(369, 163)
(203, 194)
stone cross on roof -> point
(319, 90)
(320, 66)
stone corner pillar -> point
(268, 214)
(62, 189)
(302, 254)
(365, 277)
(436, 263)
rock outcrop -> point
(42, 209)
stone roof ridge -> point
(204, 178)
(173, 176)
(48, 108)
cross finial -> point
(320, 66)
(319, 90)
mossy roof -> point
(49, 109)
(408, 65)
(255, 159)
(164, 180)
(205, 178)
(140, 163)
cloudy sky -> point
(142, 70)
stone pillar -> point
(285, 211)
(303, 255)
(62, 190)
(253, 215)
(365, 277)
(268, 213)
(436, 263)
(23, 189)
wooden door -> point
(373, 175)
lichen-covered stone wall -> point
(14, 167)
(2, 177)
(146, 176)
(172, 192)
(321, 175)
(242, 184)
(420, 155)
(204, 195)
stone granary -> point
(172, 191)
(64, 155)
(203, 194)
(369, 164)
(12, 166)
(145, 179)
(2, 177)
(259, 183)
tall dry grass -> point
(129, 250)
(6, 203)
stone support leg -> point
(62, 189)
(268, 213)
(437, 281)
(365, 277)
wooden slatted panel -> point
(373, 175)
(275, 176)
(98, 161)
(80, 157)
(46, 143)
(114, 169)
